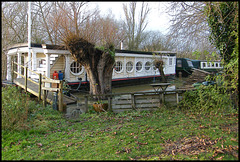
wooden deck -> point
(33, 89)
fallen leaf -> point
(39, 144)
(131, 158)
(234, 139)
(219, 151)
(220, 158)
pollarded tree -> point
(159, 64)
(97, 62)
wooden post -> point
(44, 98)
(177, 97)
(60, 97)
(163, 97)
(26, 76)
(40, 87)
(12, 71)
(86, 104)
(133, 101)
(109, 103)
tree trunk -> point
(160, 65)
(98, 64)
(160, 68)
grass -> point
(168, 134)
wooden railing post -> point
(86, 104)
(60, 97)
(12, 71)
(133, 101)
(44, 98)
(40, 87)
(110, 103)
(26, 76)
(177, 97)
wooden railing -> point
(41, 85)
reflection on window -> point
(148, 65)
(129, 66)
(139, 66)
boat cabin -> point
(47, 59)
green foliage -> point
(222, 19)
(206, 99)
(15, 107)
(110, 49)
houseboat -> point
(130, 66)
(186, 66)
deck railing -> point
(41, 84)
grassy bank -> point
(166, 134)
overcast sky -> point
(157, 19)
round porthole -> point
(129, 66)
(139, 66)
(118, 66)
(148, 66)
(76, 68)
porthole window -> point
(147, 65)
(118, 66)
(139, 66)
(76, 68)
(129, 66)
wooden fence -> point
(119, 102)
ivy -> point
(110, 50)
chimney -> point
(121, 45)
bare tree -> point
(135, 27)
(91, 40)
(156, 41)
(189, 28)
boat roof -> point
(61, 47)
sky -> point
(157, 19)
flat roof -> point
(61, 47)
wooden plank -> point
(148, 105)
(147, 101)
(121, 107)
(50, 81)
(50, 89)
(121, 102)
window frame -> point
(121, 66)
(129, 71)
(80, 71)
(138, 66)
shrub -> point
(206, 99)
(15, 107)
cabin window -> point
(147, 65)
(139, 66)
(129, 66)
(75, 68)
(209, 64)
(216, 64)
(204, 64)
(118, 66)
(179, 63)
(170, 61)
